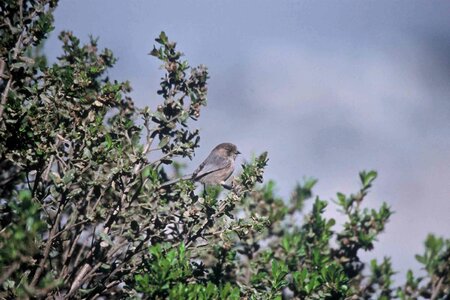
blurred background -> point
(328, 88)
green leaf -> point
(24, 195)
(421, 259)
(108, 141)
(367, 178)
(155, 52)
(106, 238)
(164, 141)
(69, 176)
(162, 39)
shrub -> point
(84, 212)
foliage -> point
(84, 212)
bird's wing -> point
(211, 164)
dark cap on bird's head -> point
(229, 148)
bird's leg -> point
(204, 190)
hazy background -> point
(327, 87)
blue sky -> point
(328, 88)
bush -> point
(85, 213)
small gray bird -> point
(216, 168)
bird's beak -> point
(237, 152)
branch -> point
(48, 245)
(78, 280)
(11, 269)
(17, 48)
(5, 97)
(437, 289)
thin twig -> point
(69, 253)
(67, 228)
(8, 84)
(5, 96)
(11, 269)
(48, 245)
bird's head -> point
(227, 150)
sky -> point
(328, 88)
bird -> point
(216, 168)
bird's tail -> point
(175, 180)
